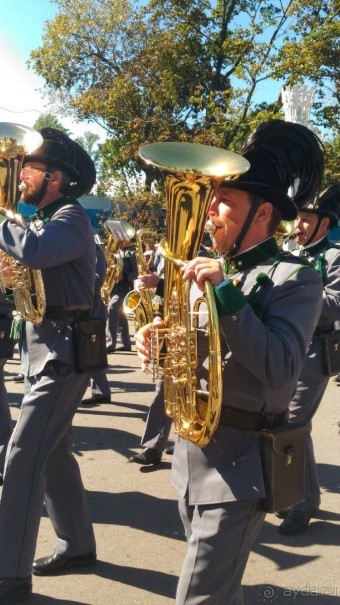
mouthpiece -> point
(288, 238)
(22, 186)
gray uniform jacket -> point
(63, 248)
(263, 349)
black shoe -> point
(124, 348)
(18, 378)
(170, 449)
(110, 349)
(296, 521)
(14, 590)
(58, 564)
(148, 456)
(96, 400)
(282, 514)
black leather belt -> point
(251, 421)
(62, 314)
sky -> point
(21, 97)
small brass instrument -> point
(116, 232)
(285, 233)
(27, 284)
(139, 302)
(191, 173)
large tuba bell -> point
(27, 284)
(116, 232)
(191, 172)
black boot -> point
(296, 521)
(148, 456)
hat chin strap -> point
(245, 227)
(316, 229)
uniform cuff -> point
(228, 298)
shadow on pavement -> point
(160, 516)
(144, 579)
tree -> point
(48, 120)
(186, 70)
(89, 141)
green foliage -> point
(48, 120)
(185, 70)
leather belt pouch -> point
(89, 341)
(330, 343)
(6, 342)
(283, 452)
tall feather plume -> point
(295, 151)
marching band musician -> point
(39, 464)
(268, 308)
(312, 226)
(116, 315)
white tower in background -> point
(297, 103)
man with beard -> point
(313, 225)
(39, 464)
(268, 305)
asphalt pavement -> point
(140, 540)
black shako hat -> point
(326, 204)
(282, 155)
(59, 151)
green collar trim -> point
(45, 214)
(253, 257)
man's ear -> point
(325, 223)
(264, 212)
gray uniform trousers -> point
(117, 317)
(306, 401)
(158, 424)
(5, 417)
(40, 465)
(207, 528)
(99, 384)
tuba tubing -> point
(191, 172)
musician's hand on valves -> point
(202, 269)
(149, 280)
(143, 341)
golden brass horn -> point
(191, 173)
(116, 232)
(27, 284)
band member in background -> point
(266, 323)
(313, 225)
(39, 464)
(116, 315)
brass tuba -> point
(27, 284)
(191, 172)
(116, 232)
(139, 302)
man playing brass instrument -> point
(39, 464)
(268, 305)
(312, 228)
